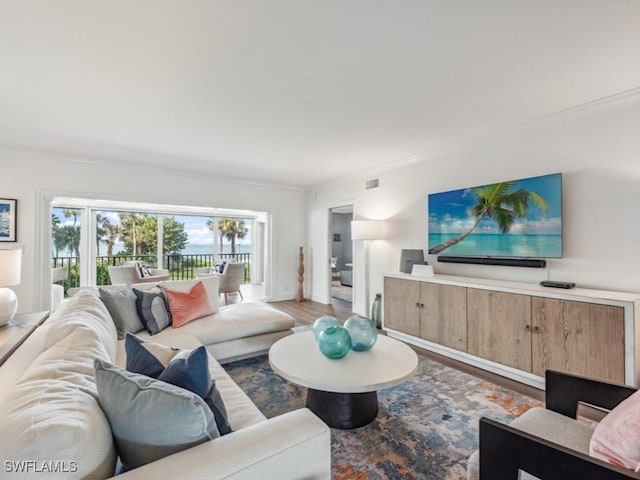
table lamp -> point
(10, 265)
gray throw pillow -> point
(150, 419)
(121, 304)
(152, 309)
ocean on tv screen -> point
(501, 245)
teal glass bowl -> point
(323, 322)
(363, 333)
(334, 342)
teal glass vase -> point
(363, 333)
(323, 322)
(334, 342)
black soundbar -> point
(505, 262)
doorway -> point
(341, 253)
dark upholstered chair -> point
(549, 443)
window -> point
(88, 236)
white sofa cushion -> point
(241, 411)
(245, 320)
(239, 321)
(84, 309)
(53, 412)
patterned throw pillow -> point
(144, 270)
(152, 309)
(187, 369)
(136, 404)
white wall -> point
(29, 176)
(598, 153)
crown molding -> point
(142, 168)
(601, 105)
(595, 107)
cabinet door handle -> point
(417, 304)
(536, 329)
(527, 328)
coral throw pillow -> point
(616, 439)
(185, 307)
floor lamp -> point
(367, 230)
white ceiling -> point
(298, 92)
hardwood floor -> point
(308, 311)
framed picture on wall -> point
(337, 237)
(8, 219)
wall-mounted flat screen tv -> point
(519, 218)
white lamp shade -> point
(10, 266)
(367, 229)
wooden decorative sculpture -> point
(300, 297)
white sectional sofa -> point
(53, 426)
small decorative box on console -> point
(550, 283)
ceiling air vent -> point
(371, 184)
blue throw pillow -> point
(189, 370)
(147, 358)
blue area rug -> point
(426, 428)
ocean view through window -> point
(178, 242)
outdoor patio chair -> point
(130, 273)
(230, 278)
(57, 289)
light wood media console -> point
(517, 330)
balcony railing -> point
(181, 267)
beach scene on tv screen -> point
(519, 218)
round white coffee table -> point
(343, 392)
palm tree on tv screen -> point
(502, 205)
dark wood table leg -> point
(343, 410)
